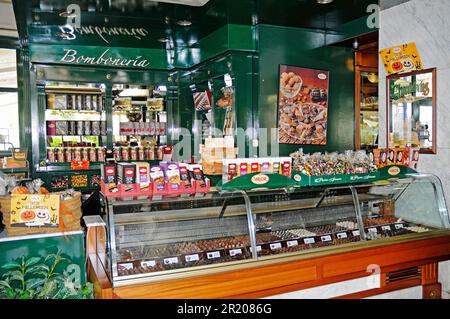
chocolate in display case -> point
(158, 239)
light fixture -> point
(184, 23)
(355, 44)
(324, 1)
(66, 14)
(163, 40)
(372, 77)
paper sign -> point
(34, 210)
(401, 59)
(79, 165)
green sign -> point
(126, 58)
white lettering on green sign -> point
(102, 32)
(72, 56)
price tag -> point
(191, 258)
(258, 249)
(342, 235)
(373, 230)
(399, 226)
(326, 238)
(387, 228)
(235, 252)
(213, 255)
(171, 261)
(309, 241)
(356, 233)
(127, 266)
(292, 243)
(275, 246)
(148, 263)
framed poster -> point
(303, 106)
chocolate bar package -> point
(109, 176)
(243, 169)
(143, 175)
(157, 177)
(286, 168)
(400, 156)
(126, 173)
(266, 166)
(173, 176)
(255, 167)
(383, 157)
(392, 156)
(185, 176)
(198, 175)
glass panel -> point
(304, 220)
(160, 236)
(412, 111)
(409, 206)
(8, 68)
(9, 125)
(369, 110)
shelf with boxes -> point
(144, 179)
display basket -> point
(70, 216)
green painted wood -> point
(305, 48)
(71, 246)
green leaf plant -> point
(40, 278)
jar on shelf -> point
(125, 154)
(85, 154)
(51, 155)
(60, 155)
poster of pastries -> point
(303, 106)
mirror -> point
(411, 111)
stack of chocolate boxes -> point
(140, 178)
(406, 156)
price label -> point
(127, 266)
(171, 261)
(309, 241)
(356, 233)
(191, 258)
(326, 238)
(235, 252)
(292, 243)
(79, 165)
(387, 228)
(399, 226)
(275, 246)
(148, 263)
(373, 230)
(258, 249)
(342, 235)
(213, 255)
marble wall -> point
(427, 23)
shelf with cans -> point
(93, 123)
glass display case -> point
(175, 237)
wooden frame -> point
(434, 102)
(289, 274)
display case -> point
(153, 240)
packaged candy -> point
(185, 176)
(173, 176)
(143, 175)
(243, 169)
(127, 175)
(198, 175)
(157, 177)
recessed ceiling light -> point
(184, 23)
(66, 14)
(324, 1)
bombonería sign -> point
(107, 58)
(70, 33)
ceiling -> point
(160, 19)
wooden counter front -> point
(288, 274)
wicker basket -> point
(70, 215)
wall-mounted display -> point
(411, 112)
(303, 106)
